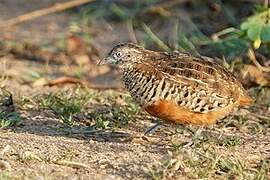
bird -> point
(178, 87)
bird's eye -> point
(118, 54)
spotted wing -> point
(196, 83)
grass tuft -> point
(65, 104)
(116, 115)
(230, 141)
(207, 162)
(9, 119)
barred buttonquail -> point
(178, 87)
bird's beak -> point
(107, 60)
(102, 61)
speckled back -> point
(196, 83)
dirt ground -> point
(43, 147)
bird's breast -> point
(141, 86)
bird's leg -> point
(154, 127)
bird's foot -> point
(153, 128)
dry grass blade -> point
(155, 39)
(252, 57)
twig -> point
(42, 12)
(252, 57)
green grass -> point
(194, 163)
(211, 155)
(9, 119)
(204, 163)
(233, 167)
(115, 115)
(117, 109)
(65, 104)
(230, 141)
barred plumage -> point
(196, 88)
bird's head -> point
(123, 54)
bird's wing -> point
(200, 73)
(196, 83)
(201, 77)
